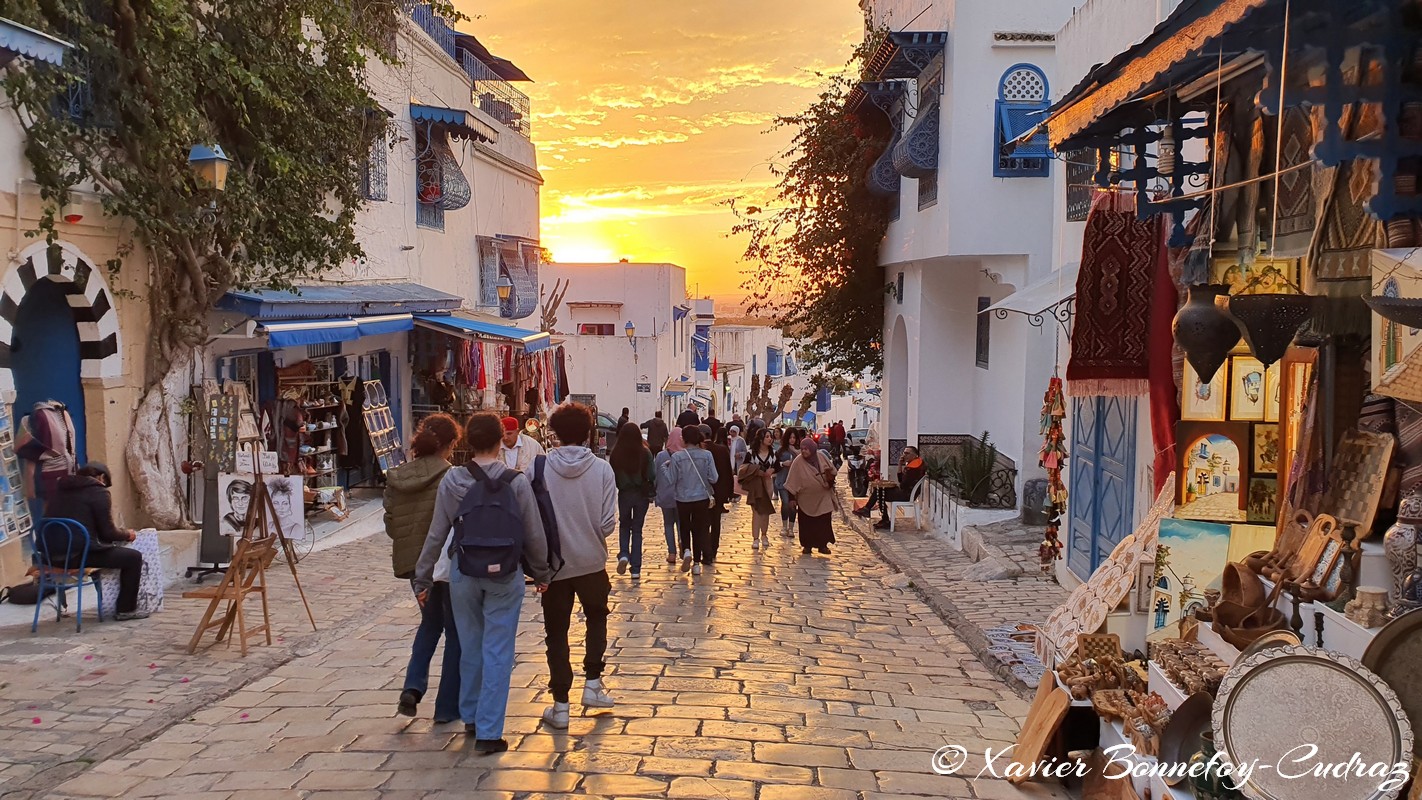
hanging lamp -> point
(1270, 321)
(1204, 332)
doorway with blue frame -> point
(45, 356)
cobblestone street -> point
(774, 675)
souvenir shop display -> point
(380, 427)
(15, 520)
(1053, 458)
(1394, 654)
(312, 430)
(1368, 607)
(1204, 331)
(1400, 542)
(1181, 738)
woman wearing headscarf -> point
(811, 489)
(738, 447)
(666, 492)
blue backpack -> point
(488, 540)
(550, 520)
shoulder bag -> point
(711, 496)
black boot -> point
(409, 703)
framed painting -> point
(1263, 501)
(1195, 559)
(1200, 400)
(1211, 476)
(1272, 390)
(1392, 342)
(1246, 389)
(1263, 276)
(1264, 449)
(1296, 372)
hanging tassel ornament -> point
(1052, 458)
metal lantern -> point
(209, 165)
(630, 329)
(504, 288)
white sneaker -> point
(695, 569)
(622, 565)
(636, 577)
(556, 715)
(686, 561)
(594, 696)
(755, 545)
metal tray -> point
(1268, 640)
(1181, 737)
(1277, 700)
(1395, 654)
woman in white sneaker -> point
(666, 493)
(636, 483)
(788, 452)
(695, 473)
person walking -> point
(518, 449)
(711, 421)
(836, 439)
(666, 492)
(723, 489)
(788, 452)
(738, 451)
(583, 491)
(688, 418)
(486, 606)
(84, 497)
(624, 419)
(811, 489)
(411, 490)
(656, 433)
(693, 472)
(757, 478)
(636, 485)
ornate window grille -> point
(1021, 102)
(375, 173)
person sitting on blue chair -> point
(84, 498)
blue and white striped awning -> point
(460, 122)
(298, 332)
(468, 326)
(21, 40)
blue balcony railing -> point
(434, 25)
(495, 96)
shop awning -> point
(460, 122)
(676, 388)
(298, 332)
(470, 326)
(347, 300)
(21, 40)
(1042, 296)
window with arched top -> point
(1022, 101)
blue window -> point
(774, 362)
(1021, 105)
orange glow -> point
(649, 116)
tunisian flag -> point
(713, 368)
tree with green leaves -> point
(281, 86)
(814, 247)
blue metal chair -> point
(68, 576)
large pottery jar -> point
(1211, 780)
(1205, 332)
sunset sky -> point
(648, 115)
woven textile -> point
(1110, 342)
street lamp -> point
(631, 331)
(504, 288)
(209, 165)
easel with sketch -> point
(260, 539)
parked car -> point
(857, 436)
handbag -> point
(24, 594)
(711, 499)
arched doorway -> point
(898, 379)
(45, 357)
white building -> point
(972, 227)
(647, 367)
(743, 350)
(453, 211)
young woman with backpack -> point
(488, 528)
(410, 491)
(666, 492)
(636, 484)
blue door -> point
(46, 358)
(1102, 463)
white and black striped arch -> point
(90, 303)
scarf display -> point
(1111, 337)
(1164, 389)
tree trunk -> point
(159, 442)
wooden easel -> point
(247, 574)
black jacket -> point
(657, 433)
(687, 418)
(724, 486)
(85, 500)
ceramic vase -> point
(1400, 545)
(1210, 781)
(1203, 331)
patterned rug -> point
(1110, 340)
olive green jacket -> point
(410, 491)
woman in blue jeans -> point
(666, 495)
(788, 452)
(485, 608)
(636, 486)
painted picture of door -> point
(1213, 471)
(1196, 553)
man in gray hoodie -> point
(584, 493)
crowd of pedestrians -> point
(469, 537)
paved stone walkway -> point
(977, 598)
(772, 676)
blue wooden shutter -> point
(1102, 489)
